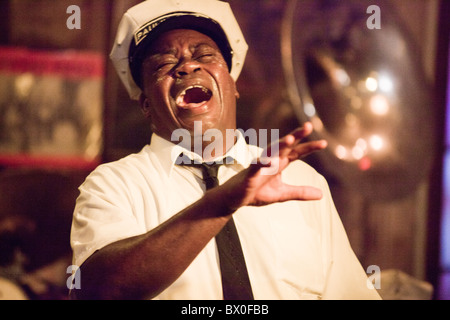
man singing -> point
(218, 224)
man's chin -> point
(198, 125)
(211, 122)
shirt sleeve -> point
(103, 214)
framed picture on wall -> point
(51, 107)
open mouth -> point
(193, 96)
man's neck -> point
(215, 146)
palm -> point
(262, 184)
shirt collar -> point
(167, 152)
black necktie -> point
(235, 280)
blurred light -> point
(379, 105)
(371, 84)
(356, 102)
(342, 77)
(385, 83)
(362, 144)
(364, 164)
(351, 120)
(309, 109)
(357, 152)
(341, 152)
(376, 142)
(317, 123)
(24, 83)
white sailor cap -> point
(144, 22)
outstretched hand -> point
(261, 183)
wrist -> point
(220, 201)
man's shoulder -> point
(128, 164)
(303, 166)
(300, 172)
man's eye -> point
(204, 56)
(164, 65)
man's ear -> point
(145, 105)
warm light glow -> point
(371, 84)
(23, 84)
(385, 83)
(379, 105)
(351, 120)
(362, 144)
(309, 109)
(376, 142)
(342, 77)
(364, 164)
(357, 152)
(341, 152)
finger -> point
(304, 149)
(302, 132)
(302, 193)
(294, 138)
(283, 147)
(278, 148)
(295, 151)
(254, 168)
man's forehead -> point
(170, 41)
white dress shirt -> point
(293, 250)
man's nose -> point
(187, 67)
